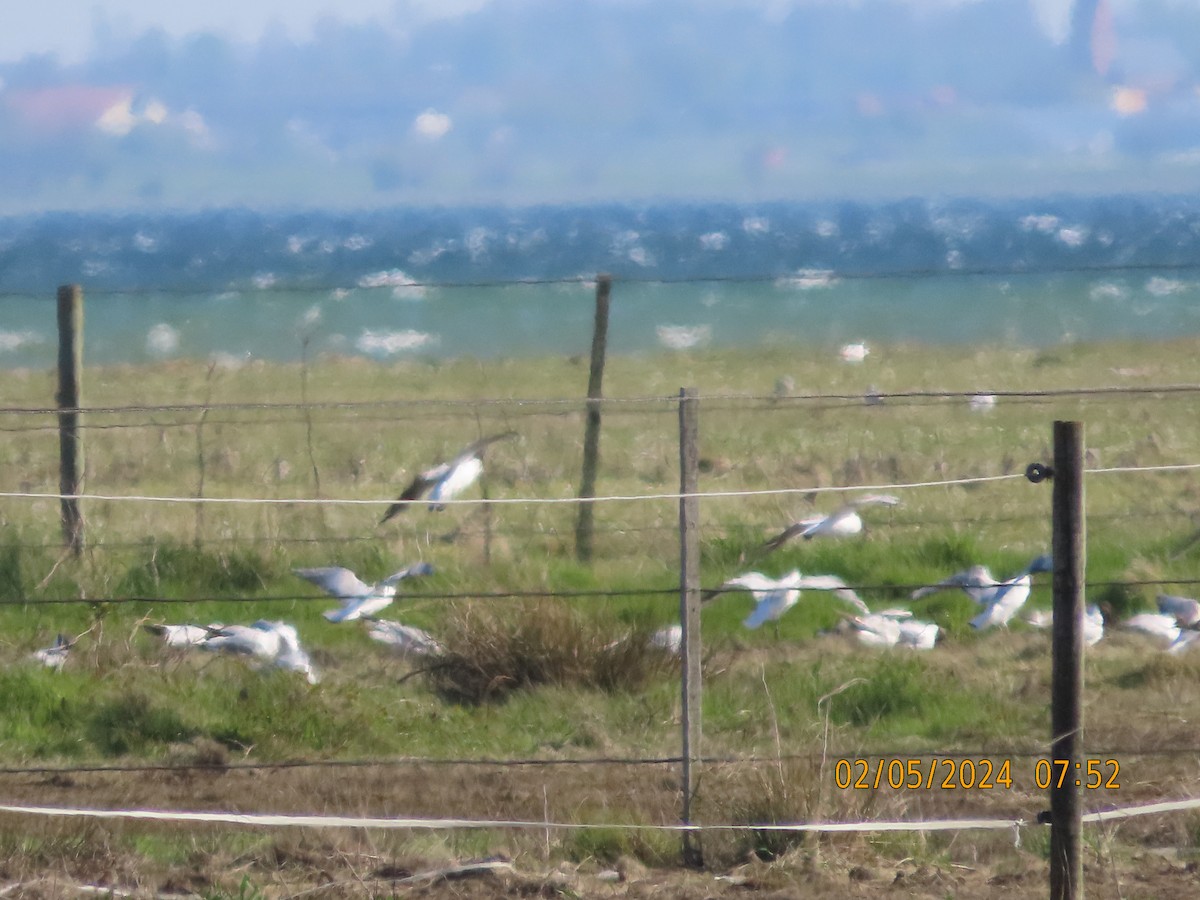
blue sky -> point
(370, 102)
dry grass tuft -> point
(492, 651)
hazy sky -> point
(369, 101)
(65, 27)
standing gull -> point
(1163, 626)
(842, 522)
(359, 599)
(405, 640)
(775, 596)
(892, 627)
(181, 635)
(446, 480)
(55, 656)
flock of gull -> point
(277, 644)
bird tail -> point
(782, 538)
(392, 511)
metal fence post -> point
(1066, 710)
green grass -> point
(533, 677)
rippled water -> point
(232, 284)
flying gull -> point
(775, 596)
(359, 600)
(276, 643)
(446, 480)
(842, 522)
(1000, 600)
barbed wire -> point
(722, 529)
(526, 594)
(611, 498)
(768, 402)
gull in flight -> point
(775, 596)
(1000, 600)
(892, 627)
(842, 522)
(446, 480)
(359, 599)
(276, 643)
(55, 656)
(404, 639)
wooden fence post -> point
(1066, 711)
(70, 444)
(591, 434)
(689, 607)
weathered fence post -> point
(70, 444)
(591, 434)
(689, 606)
(1066, 711)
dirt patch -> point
(53, 857)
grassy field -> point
(511, 603)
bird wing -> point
(413, 571)
(771, 605)
(875, 499)
(258, 639)
(422, 482)
(359, 608)
(1160, 625)
(839, 588)
(336, 581)
(427, 479)
(747, 581)
(790, 532)
(876, 630)
(476, 448)
(1008, 598)
(974, 577)
(1185, 610)
(1185, 639)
